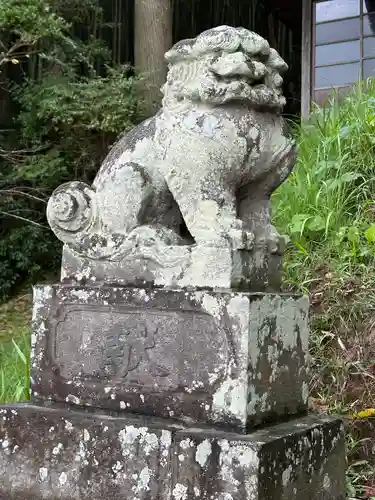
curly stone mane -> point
(222, 65)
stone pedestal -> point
(155, 395)
(56, 454)
(161, 370)
(179, 266)
(222, 358)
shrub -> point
(68, 113)
(326, 209)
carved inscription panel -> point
(153, 349)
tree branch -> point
(40, 149)
(23, 219)
(10, 54)
(27, 195)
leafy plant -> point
(23, 25)
(326, 207)
(15, 350)
(327, 210)
(69, 108)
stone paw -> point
(241, 240)
(274, 244)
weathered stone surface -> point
(57, 454)
(221, 357)
(180, 267)
(184, 198)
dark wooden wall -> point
(191, 17)
(194, 16)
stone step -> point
(64, 454)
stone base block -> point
(58, 454)
(225, 358)
(180, 267)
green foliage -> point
(23, 24)
(15, 350)
(15, 369)
(25, 252)
(78, 118)
(70, 109)
(30, 20)
(59, 102)
(326, 208)
(327, 211)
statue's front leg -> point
(255, 213)
(254, 205)
(209, 211)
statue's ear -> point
(276, 62)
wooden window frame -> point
(306, 63)
(308, 51)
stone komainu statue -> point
(196, 176)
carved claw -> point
(273, 243)
(275, 246)
(241, 240)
